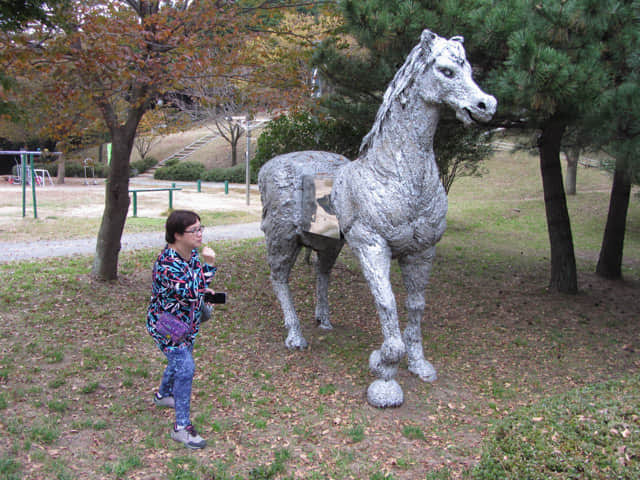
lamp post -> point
(248, 125)
(247, 173)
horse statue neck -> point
(403, 146)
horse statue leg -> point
(415, 274)
(375, 260)
(326, 260)
(281, 258)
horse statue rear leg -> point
(326, 260)
(281, 259)
(415, 275)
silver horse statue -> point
(389, 203)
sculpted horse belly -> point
(389, 203)
(408, 220)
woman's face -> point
(192, 236)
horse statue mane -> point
(420, 58)
(387, 204)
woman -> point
(180, 280)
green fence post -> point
(33, 186)
(171, 199)
(135, 203)
(199, 185)
(226, 187)
(23, 180)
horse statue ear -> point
(458, 39)
(427, 37)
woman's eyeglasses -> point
(199, 229)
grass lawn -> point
(531, 384)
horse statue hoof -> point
(324, 324)
(424, 370)
(385, 394)
(295, 341)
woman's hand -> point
(208, 290)
(209, 256)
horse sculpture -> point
(389, 203)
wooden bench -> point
(140, 190)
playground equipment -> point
(87, 165)
(27, 175)
(40, 175)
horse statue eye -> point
(447, 72)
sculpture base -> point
(385, 394)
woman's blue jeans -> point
(177, 380)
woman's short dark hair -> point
(178, 222)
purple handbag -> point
(171, 327)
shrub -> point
(232, 174)
(194, 171)
(76, 169)
(182, 171)
(141, 166)
(302, 131)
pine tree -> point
(615, 127)
(552, 74)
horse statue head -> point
(436, 72)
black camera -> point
(218, 297)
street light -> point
(248, 125)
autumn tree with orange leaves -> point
(117, 58)
(280, 64)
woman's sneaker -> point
(188, 436)
(167, 402)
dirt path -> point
(15, 252)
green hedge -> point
(235, 174)
(101, 170)
(141, 166)
(194, 171)
(185, 171)
(173, 170)
(304, 131)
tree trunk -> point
(61, 165)
(234, 153)
(61, 170)
(116, 205)
(610, 260)
(573, 155)
(563, 262)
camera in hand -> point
(218, 297)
